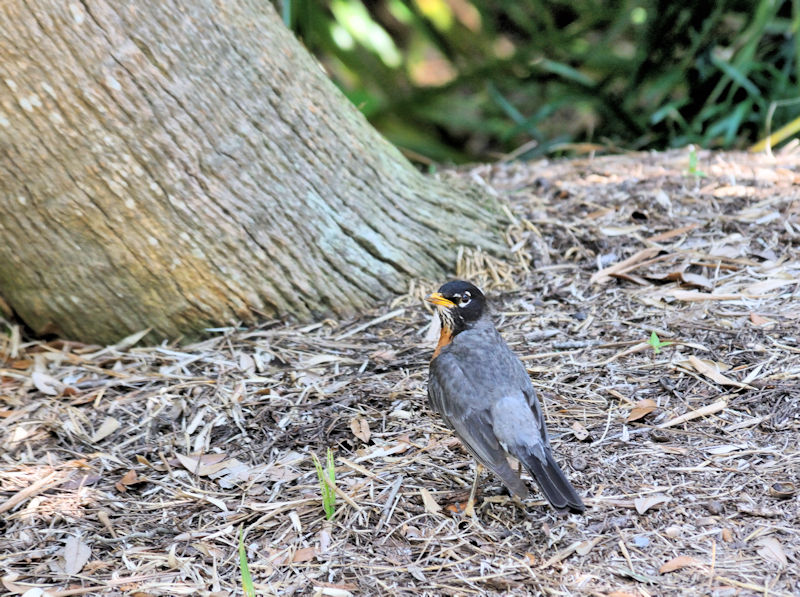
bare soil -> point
(131, 470)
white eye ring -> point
(465, 300)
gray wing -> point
(522, 381)
(452, 395)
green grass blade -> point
(505, 105)
(736, 75)
(247, 581)
(327, 479)
(566, 72)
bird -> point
(482, 391)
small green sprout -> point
(693, 171)
(247, 581)
(657, 343)
(327, 479)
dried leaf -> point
(430, 504)
(232, 473)
(360, 428)
(711, 371)
(129, 478)
(304, 554)
(202, 464)
(772, 550)
(643, 504)
(416, 572)
(322, 359)
(76, 554)
(696, 280)
(729, 251)
(46, 384)
(587, 546)
(281, 473)
(107, 427)
(324, 540)
(13, 587)
(678, 563)
(247, 363)
(641, 409)
(129, 341)
(761, 288)
(217, 502)
(385, 450)
(725, 449)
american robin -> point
(482, 390)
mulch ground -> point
(131, 470)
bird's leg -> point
(470, 509)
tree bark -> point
(184, 164)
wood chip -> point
(678, 563)
(604, 275)
(704, 411)
(261, 399)
(657, 238)
(49, 481)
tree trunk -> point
(185, 164)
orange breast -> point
(445, 338)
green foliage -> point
(247, 581)
(327, 480)
(657, 343)
(456, 80)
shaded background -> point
(473, 80)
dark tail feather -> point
(554, 484)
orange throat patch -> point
(445, 338)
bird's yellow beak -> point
(437, 299)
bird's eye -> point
(464, 301)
